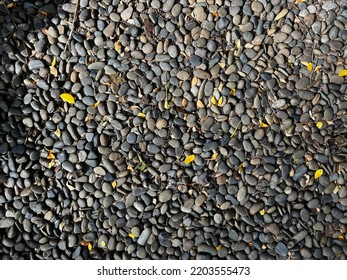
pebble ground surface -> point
(189, 129)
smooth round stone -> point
(68, 166)
(281, 249)
(165, 196)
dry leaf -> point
(319, 125)
(200, 104)
(54, 61)
(90, 246)
(219, 247)
(53, 71)
(214, 100)
(50, 155)
(318, 68)
(84, 243)
(194, 81)
(220, 101)
(189, 159)
(103, 244)
(215, 14)
(131, 236)
(67, 97)
(232, 91)
(262, 124)
(240, 168)
(309, 66)
(96, 104)
(118, 47)
(57, 133)
(51, 164)
(262, 212)
(142, 115)
(214, 156)
(166, 104)
(318, 173)
(343, 73)
(114, 183)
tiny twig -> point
(237, 126)
(73, 24)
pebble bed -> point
(197, 129)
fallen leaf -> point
(220, 101)
(189, 159)
(262, 212)
(318, 68)
(219, 247)
(53, 71)
(118, 47)
(166, 104)
(336, 189)
(319, 125)
(51, 164)
(50, 155)
(240, 168)
(54, 61)
(309, 66)
(103, 244)
(299, 1)
(142, 115)
(343, 73)
(194, 81)
(67, 97)
(114, 183)
(318, 173)
(232, 91)
(96, 104)
(215, 14)
(90, 246)
(262, 124)
(200, 104)
(57, 133)
(131, 236)
(214, 156)
(214, 101)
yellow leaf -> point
(50, 155)
(194, 81)
(67, 97)
(90, 246)
(215, 14)
(166, 104)
(262, 124)
(336, 189)
(220, 87)
(142, 115)
(318, 173)
(262, 212)
(240, 168)
(96, 104)
(103, 244)
(189, 159)
(220, 101)
(118, 47)
(309, 66)
(319, 125)
(233, 91)
(318, 68)
(114, 183)
(57, 133)
(53, 71)
(51, 163)
(219, 247)
(343, 73)
(54, 61)
(131, 236)
(214, 101)
(214, 156)
(200, 104)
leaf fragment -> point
(118, 47)
(90, 246)
(57, 133)
(262, 124)
(53, 71)
(141, 115)
(84, 243)
(219, 247)
(232, 91)
(309, 66)
(240, 168)
(96, 104)
(214, 101)
(51, 164)
(54, 61)
(166, 105)
(50, 155)
(319, 125)
(220, 101)
(114, 183)
(299, 1)
(318, 173)
(200, 104)
(343, 73)
(214, 156)
(189, 159)
(67, 97)
(215, 14)
(262, 212)
(131, 236)
(103, 244)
